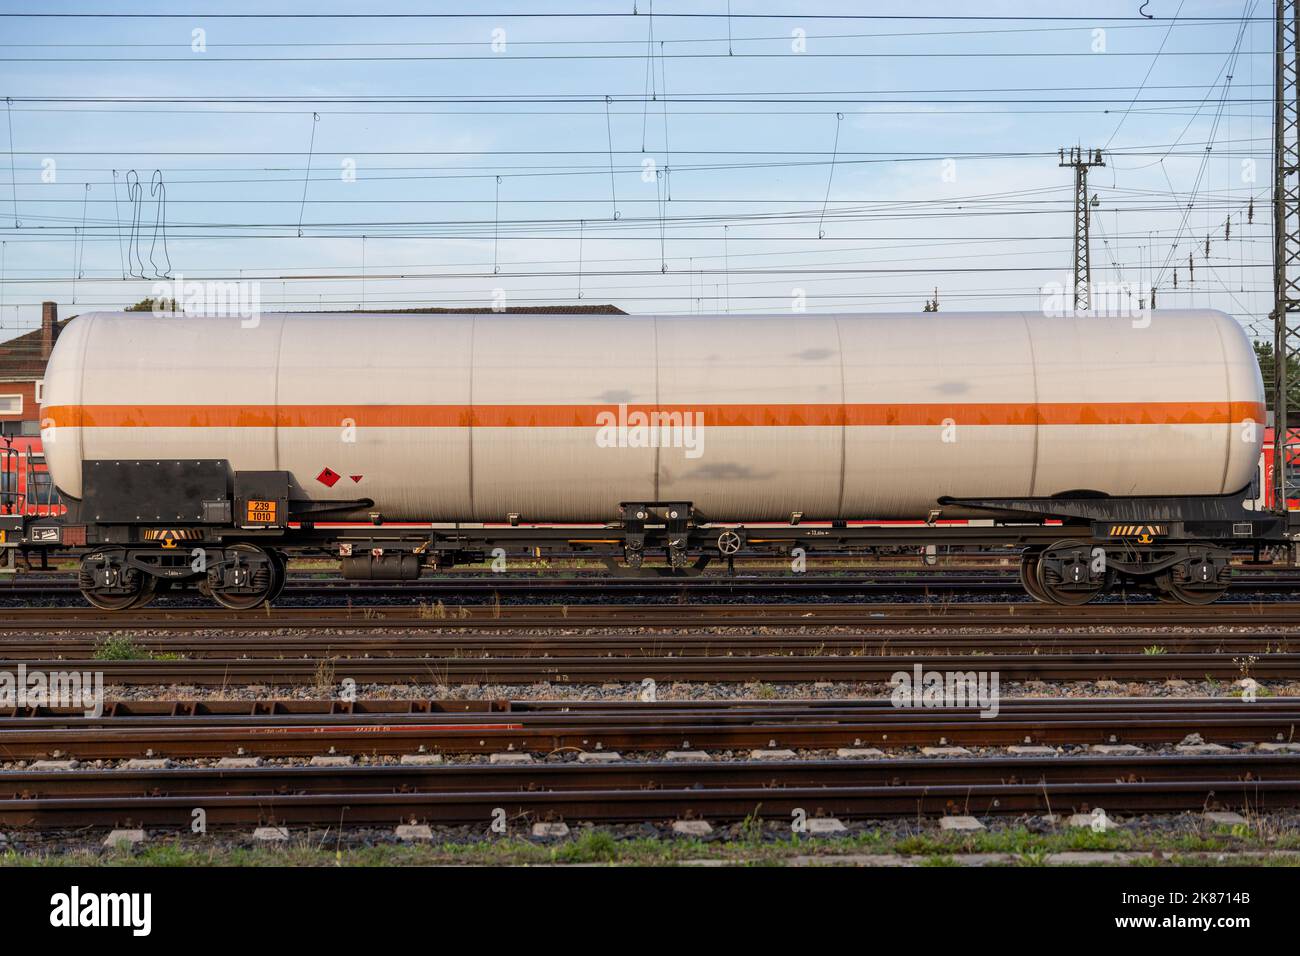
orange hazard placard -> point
(261, 512)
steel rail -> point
(732, 791)
(224, 672)
(461, 586)
(237, 709)
(190, 645)
(29, 620)
(648, 728)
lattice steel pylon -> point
(1082, 160)
(1286, 248)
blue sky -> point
(924, 191)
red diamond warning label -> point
(355, 477)
(327, 477)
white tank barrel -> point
(558, 418)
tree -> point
(1264, 355)
(154, 305)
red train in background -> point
(27, 494)
(25, 484)
(1263, 486)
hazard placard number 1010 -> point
(261, 512)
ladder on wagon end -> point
(13, 508)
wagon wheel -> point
(259, 586)
(1029, 577)
(1163, 589)
(1059, 592)
(1194, 596)
(1170, 591)
(148, 591)
(281, 574)
(135, 588)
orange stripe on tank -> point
(593, 416)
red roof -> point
(20, 357)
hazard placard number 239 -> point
(261, 512)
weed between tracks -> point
(747, 843)
(323, 679)
(120, 647)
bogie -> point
(238, 576)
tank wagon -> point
(201, 450)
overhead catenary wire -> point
(13, 183)
(830, 176)
(1200, 173)
(569, 57)
(609, 133)
(842, 35)
(235, 200)
(1154, 60)
(311, 146)
(793, 13)
(117, 220)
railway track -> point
(230, 672)
(475, 793)
(291, 728)
(191, 646)
(863, 584)
(1005, 571)
(846, 789)
(32, 620)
